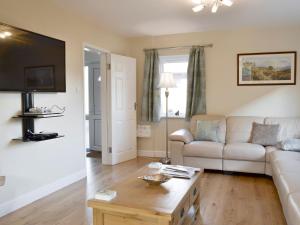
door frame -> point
(105, 73)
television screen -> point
(31, 62)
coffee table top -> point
(136, 194)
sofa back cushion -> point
(289, 128)
(239, 128)
(221, 128)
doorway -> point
(92, 107)
(109, 106)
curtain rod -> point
(180, 47)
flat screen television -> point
(31, 62)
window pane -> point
(180, 67)
(177, 97)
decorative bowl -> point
(155, 179)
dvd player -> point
(41, 136)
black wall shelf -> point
(28, 120)
(41, 116)
(27, 140)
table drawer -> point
(194, 193)
(181, 211)
(125, 220)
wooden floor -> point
(225, 199)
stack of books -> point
(177, 171)
(105, 195)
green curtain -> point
(196, 83)
(151, 92)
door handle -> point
(135, 106)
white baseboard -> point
(23, 200)
(151, 153)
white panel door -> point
(94, 116)
(123, 108)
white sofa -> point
(234, 152)
(286, 176)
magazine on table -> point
(178, 171)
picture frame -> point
(267, 68)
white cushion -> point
(205, 149)
(293, 209)
(239, 128)
(289, 127)
(245, 151)
(269, 150)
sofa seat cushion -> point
(293, 209)
(269, 150)
(288, 183)
(285, 155)
(204, 149)
(245, 151)
(281, 166)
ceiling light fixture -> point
(197, 1)
(215, 7)
(214, 4)
(5, 34)
(198, 8)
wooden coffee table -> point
(175, 202)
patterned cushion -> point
(220, 118)
(290, 145)
(265, 135)
(207, 130)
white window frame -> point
(172, 59)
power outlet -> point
(144, 131)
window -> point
(177, 65)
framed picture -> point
(271, 68)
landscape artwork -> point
(267, 68)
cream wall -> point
(223, 95)
(31, 167)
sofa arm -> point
(176, 150)
(182, 135)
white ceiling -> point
(158, 17)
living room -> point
(50, 182)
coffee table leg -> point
(163, 222)
(97, 217)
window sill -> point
(173, 117)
